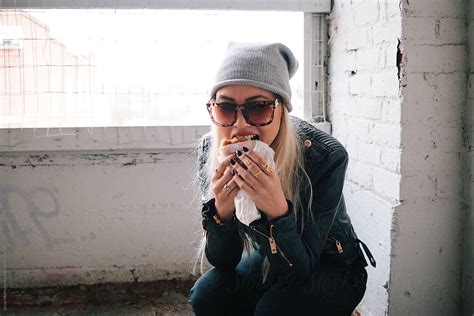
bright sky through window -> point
(126, 67)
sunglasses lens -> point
(223, 113)
(259, 113)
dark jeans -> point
(331, 290)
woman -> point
(306, 258)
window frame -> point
(315, 6)
(176, 137)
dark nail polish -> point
(232, 162)
(233, 172)
(255, 137)
(245, 149)
(239, 153)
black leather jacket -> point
(330, 238)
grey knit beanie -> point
(266, 66)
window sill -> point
(107, 138)
(101, 138)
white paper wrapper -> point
(245, 209)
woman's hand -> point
(224, 189)
(260, 182)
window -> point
(122, 66)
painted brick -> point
(391, 111)
(343, 20)
(416, 249)
(422, 138)
(430, 58)
(448, 138)
(346, 62)
(347, 105)
(386, 134)
(435, 98)
(350, 107)
(418, 87)
(337, 45)
(449, 187)
(434, 114)
(360, 128)
(449, 86)
(420, 30)
(337, 132)
(429, 162)
(434, 8)
(390, 160)
(339, 83)
(369, 153)
(366, 13)
(417, 187)
(390, 54)
(366, 207)
(384, 32)
(415, 130)
(360, 174)
(417, 140)
(371, 58)
(393, 10)
(371, 218)
(369, 108)
(386, 183)
(385, 83)
(452, 31)
(357, 38)
(357, 105)
(360, 83)
(352, 148)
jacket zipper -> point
(273, 245)
(338, 244)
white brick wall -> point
(433, 90)
(435, 30)
(433, 8)
(365, 115)
(434, 58)
(405, 141)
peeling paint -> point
(399, 60)
(436, 29)
(88, 159)
(132, 163)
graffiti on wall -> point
(17, 232)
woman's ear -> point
(283, 108)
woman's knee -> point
(209, 288)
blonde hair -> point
(289, 163)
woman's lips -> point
(239, 139)
(247, 136)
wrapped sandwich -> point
(245, 209)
